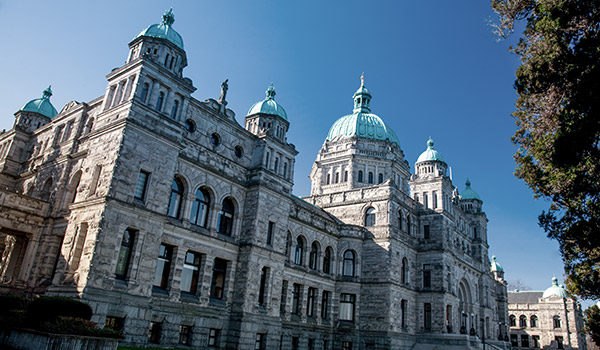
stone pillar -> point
(9, 245)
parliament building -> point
(178, 225)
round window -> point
(215, 139)
(190, 125)
(239, 151)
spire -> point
(362, 97)
(168, 18)
(362, 80)
(468, 183)
(270, 92)
(47, 92)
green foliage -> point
(46, 309)
(558, 119)
(78, 326)
(592, 323)
(12, 310)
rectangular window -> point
(403, 309)
(296, 299)
(310, 302)
(311, 344)
(524, 341)
(346, 345)
(295, 343)
(113, 322)
(217, 286)
(325, 304)
(125, 252)
(434, 199)
(426, 231)
(154, 332)
(141, 186)
(347, 302)
(264, 277)
(190, 273)
(535, 339)
(559, 342)
(163, 266)
(270, 232)
(325, 344)
(427, 316)
(283, 302)
(426, 276)
(213, 338)
(514, 340)
(185, 335)
(261, 341)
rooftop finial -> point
(47, 92)
(168, 18)
(468, 183)
(270, 91)
(362, 79)
(430, 143)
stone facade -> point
(540, 321)
(178, 225)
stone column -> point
(9, 245)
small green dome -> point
(555, 290)
(41, 105)
(268, 105)
(164, 30)
(362, 122)
(468, 192)
(495, 266)
(430, 153)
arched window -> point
(174, 109)
(327, 260)
(73, 187)
(45, 193)
(328, 179)
(400, 220)
(175, 199)
(299, 251)
(159, 102)
(533, 321)
(370, 177)
(313, 261)
(408, 226)
(276, 165)
(226, 217)
(404, 271)
(523, 321)
(380, 179)
(337, 177)
(512, 320)
(144, 93)
(199, 214)
(348, 267)
(360, 176)
(285, 170)
(370, 217)
(288, 244)
(556, 321)
(346, 176)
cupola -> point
(496, 269)
(430, 163)
(469, 199)
(267, 117)
(555, 290)
(41, 105)
(362, 123)
(164, 30)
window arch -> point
(408, 226)
(523, 321)
(346, 176)
(404, 271)
(370, 217)
(337, 177)
(349, 263)
(199, 214)
(159, 102)
(360, 176)
(313, 261)
(175, 199)
(556, 321)
(370, 177)
(73, 188)
(327, 258)
(512, 320)
(226, 217)
(299, 251)
(380, 178)
(533, 321)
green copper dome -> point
(555, 290)
(361, 122)
(430, 153)
(468, 192)
(495, 266)
(164, 30)
(41, 105)
(268, 105)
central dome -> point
(361, 122)
(164, 30)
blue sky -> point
(434, 69)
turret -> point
(35, 113)
(268, 117)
